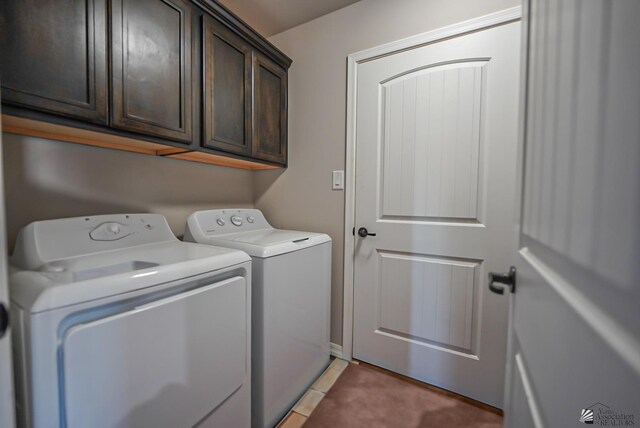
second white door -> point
(436, 140)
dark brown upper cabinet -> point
(151, 68)
(54, 57)
(180, 78)
(226, 89)
(269, 110)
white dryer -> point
(119, 324)
(291, 303)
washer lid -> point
(268, 242)
(247, 230)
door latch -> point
(363, 232)
(508, 279)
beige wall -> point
(301, 197)
(49, 179)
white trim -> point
(335, 350)
(490, 20)
(349, 212)
(475, 24)
(528, 391)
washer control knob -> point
(220, 222)
(236, 220)
(249, 219)
(109, 231)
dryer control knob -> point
(236, 220)
(220, 222)
(250, 219)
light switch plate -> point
(338, 180)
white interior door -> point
(575, 342)
(6, 370)
(436, 140)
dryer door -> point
(165, 364)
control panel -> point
(221, 222)
(44, 241)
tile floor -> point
(309, 401)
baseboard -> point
(335, 350)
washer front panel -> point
(167, 363)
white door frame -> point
(353, 60)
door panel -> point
(151, 67)
(575, 319)
(269, 110)
(568, 137)
(436, 132)
(227, 89)
(55, 56)
(440, 295)
(433, 114)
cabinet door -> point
(151, 67)
(269, 110)
(227, 89)
(54, 56)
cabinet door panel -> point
(151, 67)
(227, 89)
(55, 56)
(269, 110)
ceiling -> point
(271, 17)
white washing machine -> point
(119, 324)
(291, 303)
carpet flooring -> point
(372, 398)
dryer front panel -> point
(167, 363)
